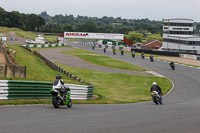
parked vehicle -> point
(59, 99)
(28, 41)
(156, 97)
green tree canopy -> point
(154, 37)
(134, 36)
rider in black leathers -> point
(157, 88)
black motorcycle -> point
(142, 55)
(151, 58)
(133, 55)
(172, 65)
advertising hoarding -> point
(86, 35)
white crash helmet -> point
(154, 83)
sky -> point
(128, 9)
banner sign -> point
(86, 35)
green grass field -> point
(120, 88)
(19, 32)
(51, 38)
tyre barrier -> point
(10, 89)
(43, 45)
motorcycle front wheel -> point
(56, 102)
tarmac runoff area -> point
(68, 60)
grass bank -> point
(19, 32)
(51, 38)
(35, 67)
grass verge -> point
(119, 88)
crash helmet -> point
(58, 76)
(154, 83)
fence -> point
(11, 68)
(10, 89)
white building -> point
(40, 39)
(178, 34)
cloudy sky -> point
(129, 9)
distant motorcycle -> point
(133, 55)
(156, 97)
(59, 99)
(142, 55)
(151, 58)
(114, 51)
(172, 65)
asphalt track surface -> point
(180, 112)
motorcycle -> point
(61, 97)
(114, 51)
(156, 97)
(172, 66)
(151, 58)
(133, 55)
(142, 56)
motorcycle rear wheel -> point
(155, 100)
(69, 105)
(56, 102)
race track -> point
(179, 113)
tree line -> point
(28, 22)
(60, 23)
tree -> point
(154, 37)
(90, 27)
(135, 37)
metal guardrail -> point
(10, 89)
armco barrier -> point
(10, 89)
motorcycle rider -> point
(142, 55)
(151, 58)
(133, 54)
(59, 84)
(157, 88)
(114, 51)
(171, 63)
